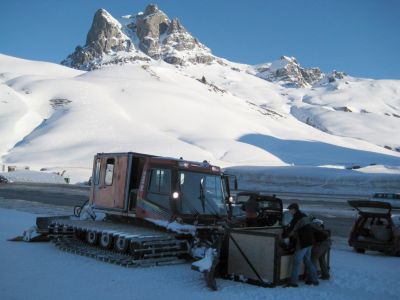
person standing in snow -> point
(300, 228)
(320, 249)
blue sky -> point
(360, 37)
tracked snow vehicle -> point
(144, 210)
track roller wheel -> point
(121, 244)
(106, 240)
(91, 237)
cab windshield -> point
(201, 193)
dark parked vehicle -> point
(3, 179)
(375, 228)
(258, 210)
(392, 198)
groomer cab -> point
(159, 188)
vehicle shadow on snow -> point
(313, 153)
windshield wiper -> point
(204, 199)
(192, 209)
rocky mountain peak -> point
(288, 59)
(149, 27)
(179, 46)
(289, 72)
(332, 78)
(105, 34)
(176, 26)
(104, 41)
(147, 35)
(151, 9)
(153, 35)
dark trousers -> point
(318, 253)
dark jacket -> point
(320, 234)
(300, 228)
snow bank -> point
(316, 180)
(33, 176)
(41, 271)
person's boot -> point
(325, 277)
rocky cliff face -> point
(288, 71)
(179, 46)
(105, 41)
(151, 35)
(148, 35)
(149, 27)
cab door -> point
(109, 181)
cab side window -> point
(96, 178)
(108, 178)
(159, 188)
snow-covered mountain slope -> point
(362, 108)
(146, 84)
(339, 104)
(19, 114)
(56, 117)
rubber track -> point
(64, 237)
(74, 245)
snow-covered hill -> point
(177, 99)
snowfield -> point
(41, 271)
(57, 118)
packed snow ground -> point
(41, 271)
(57, 118)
